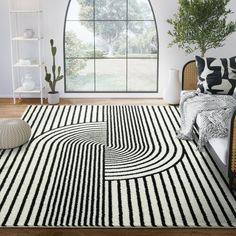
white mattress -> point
(219, 145)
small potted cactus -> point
(52, 79)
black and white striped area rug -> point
(110, 166)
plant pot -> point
(53, 98)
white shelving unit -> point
(26, 51)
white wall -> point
(54, 13)
(5, 58)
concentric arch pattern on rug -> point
(110, 166)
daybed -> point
(223, 150)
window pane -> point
(111, 75)
(80, 10)
(142, 75)
(79, 75)
(117, 39)
(110, 39)
(79, 39)
(142, 39)
(139, 10)
(110, 9)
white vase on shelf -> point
(28, 33)
(28, 82)
(171, 92)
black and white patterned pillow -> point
(216, 76)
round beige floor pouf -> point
(13, 133)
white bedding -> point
(219, 145)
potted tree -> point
(52, 79)
(201, 25)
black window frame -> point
(126, 57)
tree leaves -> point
(201, 24)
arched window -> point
(110, 46)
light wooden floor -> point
(9, 110)
(116, 232)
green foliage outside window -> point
(114, 32)
(73, 46)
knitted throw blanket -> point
(213, 111)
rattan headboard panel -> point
(189, 76)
